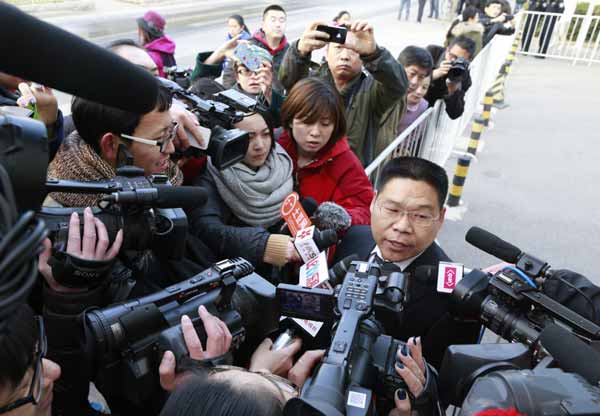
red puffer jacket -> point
(335, 175)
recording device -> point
(147, 209)
(359, 364)
(337, 34)
(179, 75)
(546, 334)
(227, 146)
(84, 72)
(127, 340)
(459, 68)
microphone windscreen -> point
(310, 205)
(488, 242)
(572, 354)
(331, 216)
(181, 196)
(325, 238)
(41, 52)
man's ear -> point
(372, 207)
(109, 147)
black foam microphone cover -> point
(41, 52)
(491, 244)
(426, 274)
(309, 204)
(325, 238)
(572, 354)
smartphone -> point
(251, 56)
(336, 34)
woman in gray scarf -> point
(241, 216)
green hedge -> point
(575, 25)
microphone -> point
(161, 197)
(491, 244)
(339, 270)
(309, 204)
(331, 216)
(31, 49)
(309, 242)
(426, 275)
(325, 238)
(573, 355)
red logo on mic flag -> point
(293, 214)
(449, 274)
(450, 278)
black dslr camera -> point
(227, 145)
(459, 69)
(126, 341)
(552, 363)
(359, 366)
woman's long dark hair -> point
(240, 20)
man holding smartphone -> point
(371, 82)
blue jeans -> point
(404, 4)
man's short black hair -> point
(490, 2)
(414, 55)
(18, 336)
(465, 43)
(275, 7)
(469, 12)
(416, 169)
(93, 120)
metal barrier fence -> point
(561, 36)
(434, 136)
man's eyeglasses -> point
(418, 218)
(162, 143)
(34, 394)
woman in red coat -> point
(325, 168)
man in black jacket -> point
(406, 215)
(450, 89)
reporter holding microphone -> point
(241, 217)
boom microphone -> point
(488, 242)
(331, 216)
(573, 355)
(162, 197)
(41, 52)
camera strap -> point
(75, 272)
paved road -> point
(536, 181)
(207, 34)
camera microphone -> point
(161, 197)
(491, 244)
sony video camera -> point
(226, 145)
(126, 341)
(550, 365)
(360, 363)
(148, 209)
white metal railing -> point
(562, 36)
(433, 135)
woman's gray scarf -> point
(255, 197)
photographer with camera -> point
(370, 82)
(496, 20)
(451, 78)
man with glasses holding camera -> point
(407, 213)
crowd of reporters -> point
(313, 130)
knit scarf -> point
(255, 196)
(77, 161)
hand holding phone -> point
(337, 34)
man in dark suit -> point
(407, 213)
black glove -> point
(74, 272)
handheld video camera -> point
(227, 145)
(179, 75)
(543, 333)
(360, 363)
(127, 340)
